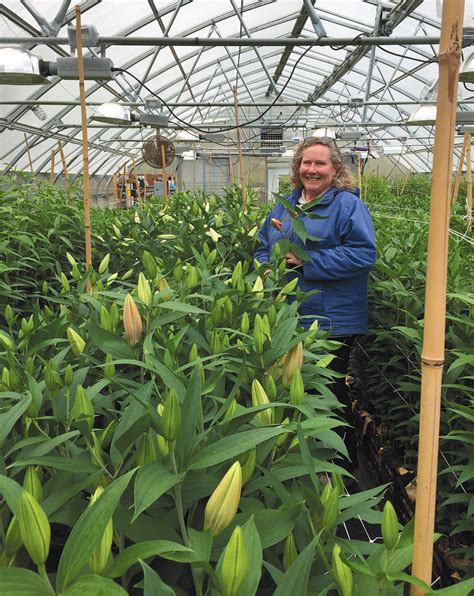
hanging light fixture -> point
(116, 113)
(424, 115)
(20, 67)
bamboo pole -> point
(468, 184)
(63, 160)
(459, 171)
(432, 355)
(51, 177)
(165, 177)
(85, 154)
(239, 149)
(408, 176)
(231, 170)
(29, 156)
(359, 172)
(115, 187)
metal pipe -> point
(254, 41)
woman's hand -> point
(292, 260)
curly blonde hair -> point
(343, 177)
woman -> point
(339, 260)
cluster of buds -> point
(223, 503)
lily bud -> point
(260, 398)
(6, 341)
(32, 483)
(289, 552)
(193, 353)
(229, 413)
(245, 323)
(389, 526)
(132, 321)
(30, 366)
(104, 264)
(100, 557)
(163, 286)
(171, 417)
(297, 389)
(223, 503)
(68, 376)
(248, 462)
(9, 315)
(341, 572)
(271, 388)
(276, 223)
(144, 290)
(293, 361)
(331, 510)
(147, 450)
(235, 563)
(191, 277)
(34, 528)
(149, 263)
(83, 410)
(287, 289)
(76, 341)
(109, 367)
(259, 337)
(258, 288)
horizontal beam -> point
(234, 41)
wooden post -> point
(165, 178)
(468, 184)
(459, 172)
(432, 355)
(63, 160)
(85, 154)
(231, 170)
(29, 155)
(51, 177)
(359, 172)
(116, 190)
(239, 149)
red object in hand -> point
(276, 223)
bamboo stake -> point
(165, 178)
(115, 187)
(359, 172)
(459, 172)
(85, 154)
(239, 148)
(29, 156)
(231, 170)
(63, 160)
(432, 355)
(209, 174)
(51, 177)
(469, 184)
(408, 176)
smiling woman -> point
(339, 251)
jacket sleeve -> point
(356, 254)
(262, 254)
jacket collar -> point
(326, 200)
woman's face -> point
(316, 171)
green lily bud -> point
(27, 326)
(248, 462)
(229, 413)
(6, 377)
(258, 335)
(75, 272)
(163, 286)
(257, 289)
(132, 321)
(34, 528)
(313, 329)
(178, 271)
(114, 315)
(331, 510)
(106, 435)
(272, 315)
(290, 552)
(297, 389)
(51, 376)
(127, 275)
(32, 483)
(144, 290)
(205, 250)
(147, 450)
(30, 365)
(271, 388)
(65, 283)
(76, 341)
(6, 341)
(13, 541)
(104, 264)
(150, 265)
(235, 563)
(287, 289)
(109, 367)
(215, 342)
(217, 314)
(100, 557)
(292, 362)
(389, 526)
(83, 410)
(236, 274)
(45, 287)
(71, 259)
(245, 323)
(280, 440)
(9, 315)
(223, 503)
(341, 572)
(171, 417)
(259, 398)
(106, 320)
(212, 257)
(68, 376)
(193, 353)
(228, 308)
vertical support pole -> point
(85, 154)
(432, 355)
(63, 160)
(468, 184)
(165, 177)
(115, 187)
(239, 148)
(29, 155)
(231, 170)
(459, 172)
(359, 172)
(51, 177)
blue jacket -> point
(340, 260)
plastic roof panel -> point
(197, 75)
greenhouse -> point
(236, 297)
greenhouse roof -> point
(354, 68)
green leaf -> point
(109, 343)
(295, 580)
(15, 581)
(11, 492)
(57, 498)
(232, 446)
(183, 307)
(88, 532)
(152, 481)
(146, 550)
(48, 445)
(69, 464)
(153, 584)
(10, 417)
(191, 412)
(94, 585)
(463, 588)
(254, 549)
